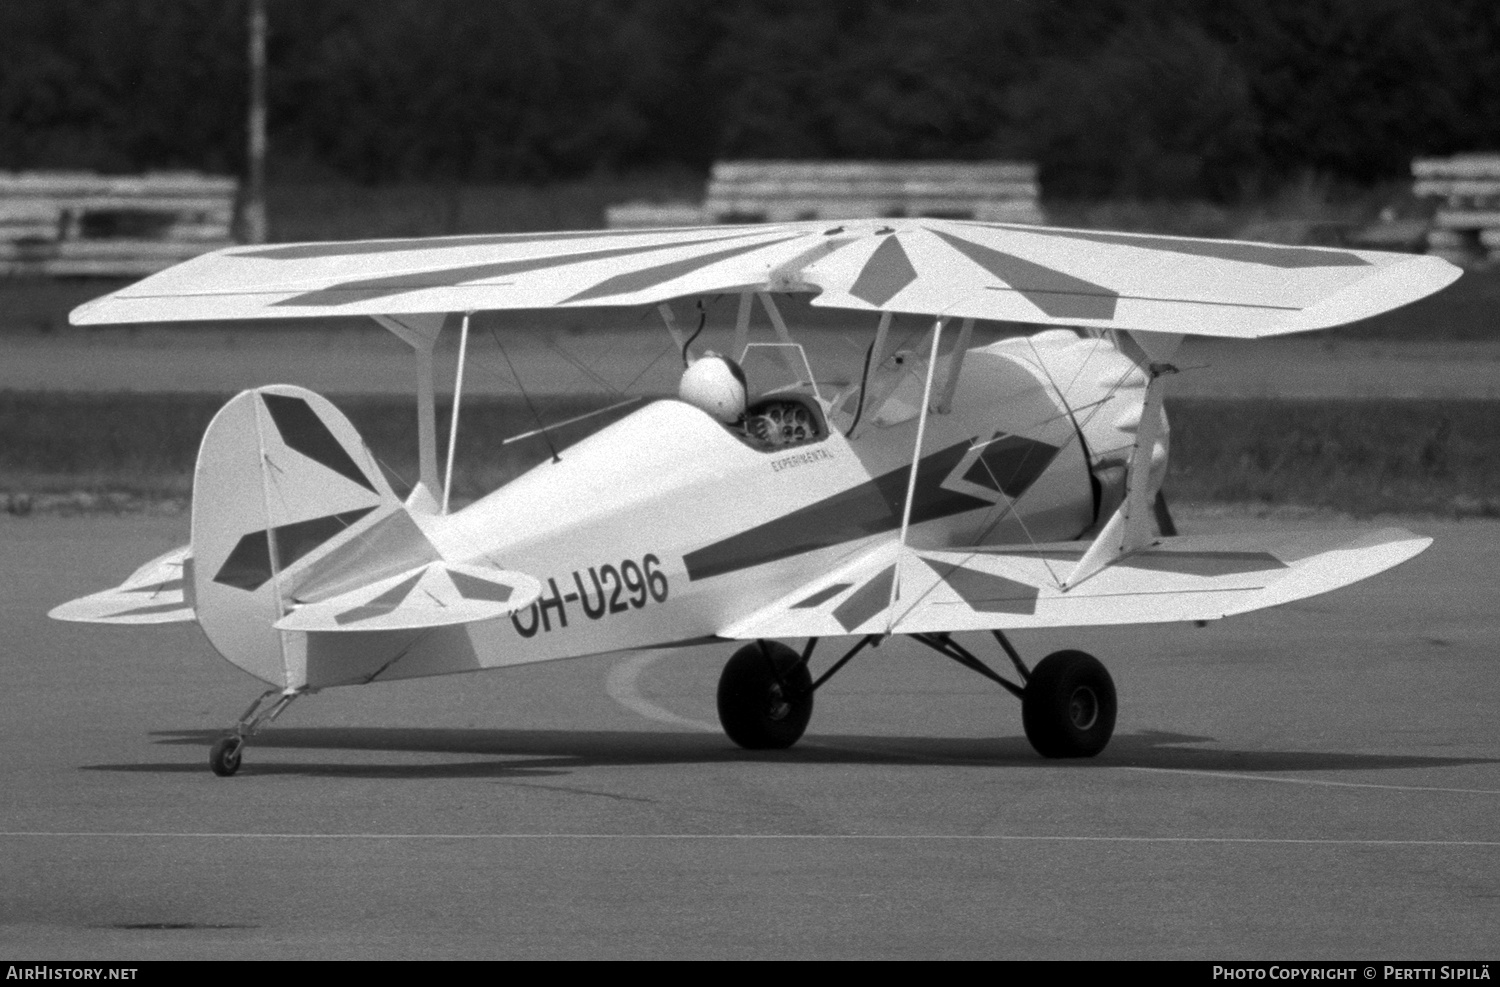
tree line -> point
(1125, 98)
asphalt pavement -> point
(1320, 780)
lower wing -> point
(895, 590)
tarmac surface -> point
(1320, 780)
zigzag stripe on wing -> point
(651, 277)
(396, 284)
(363, 248)
(1270, 255)
(1059, 295)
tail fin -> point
(282, 486)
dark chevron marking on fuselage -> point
(871, 508)
(302, 430)
(248, 565)
(1009, 464)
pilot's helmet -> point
(715, 384)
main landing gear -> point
(224, 756)
(1067, 702)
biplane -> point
(936, 490)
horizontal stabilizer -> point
(154, 594)
(1001, 588)
(430, 595)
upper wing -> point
(930, 266)
(154, 594)
(1177, 579)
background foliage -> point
(1126, 98)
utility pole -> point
(254, 215)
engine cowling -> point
(1105, 389)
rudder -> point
(282, 480)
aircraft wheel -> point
(756, 711)
(224, 756)
(1068, 707)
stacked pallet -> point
(788, 191)
(1466, 226)
(638, 215)
(781, 191)
(80, 223)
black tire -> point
(224, 756)
(758, 711)
(1069, 705)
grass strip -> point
(1361, 457)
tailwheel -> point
(224, 756)
(765, 696)
(1068, 707)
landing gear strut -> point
(224, 756)
(1067, 702)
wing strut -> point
(785, 335)
(916, 457)
(669, 320)
(955, 366)
(421, 332)
(873, 357)
(742, 325)
(458, 390)
(1129, 529)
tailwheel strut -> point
(765, 696)
(225, 755)
(1068, 701)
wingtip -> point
(1389, 287)
(86, 314)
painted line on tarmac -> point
(807, 837)
(1313, 781)
(621, 686)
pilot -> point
(715, 384)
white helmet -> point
(715, 384)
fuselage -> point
(666, 526)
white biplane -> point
(939, 491)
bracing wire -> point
(1010, 509)
(702, 321)
(527, 398)
(864, 379)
